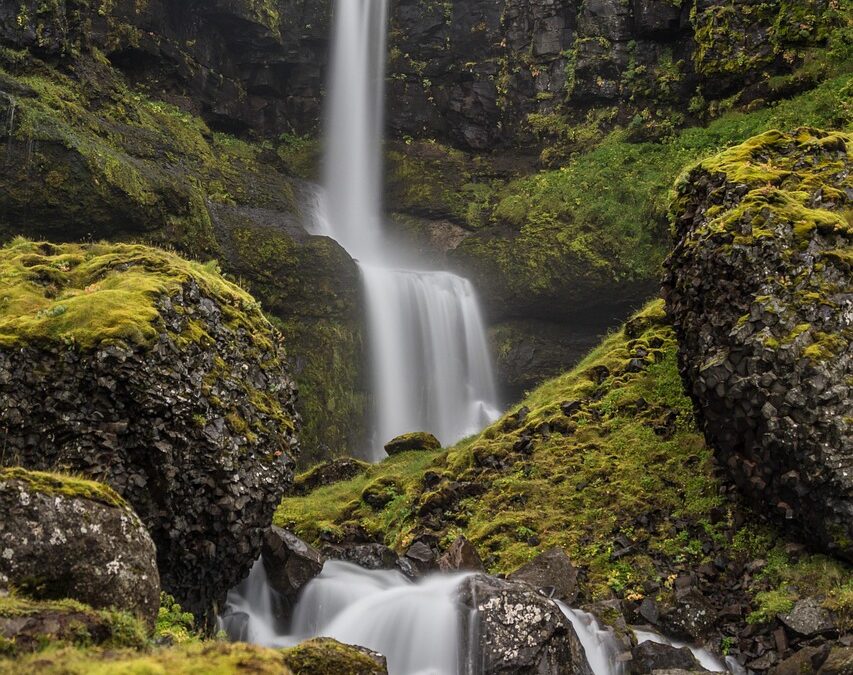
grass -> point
(93, 294)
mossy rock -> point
(323, 656)
(121, 353)
(417, 441)
(759, 289)
(28, 626)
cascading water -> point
(414, 625)
(429, 354)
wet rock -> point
(649, 657)
(461, 556)
(369, 556)
(551, 572)
(290, 563)
(417, 441)
(518, 631)
(421, 556)
(766, 356)
(692, 616)
(62, 538)
(808, 618)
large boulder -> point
(550, 572)
(290, 563)
(517, 630)
(153, 374)
(63, 537)
(758, 288)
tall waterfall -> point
(430, 363)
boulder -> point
(839, 662)
(461, 556)
(691, 616)
(328, 473)
(290, 563)
(417, 441)
(807, 660)
(63, 537)
(551, 572)
(808, 618)
(322, 656)
(758, 288)
(517, 630)
(155, 375)
(649, 657)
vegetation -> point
(67, 486)
(89, 294)
(606, 454)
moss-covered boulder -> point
(63, 537)
(324, 656)
(416, 441)
(28, 625)
(133, 366)
(759, 289)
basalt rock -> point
(518, 630)
(758, 288)
(290, 563)
(63, 537)
(461, 556)
(551, 572)
(649, 657)
(167, 383)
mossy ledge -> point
(155, 375)
(66, 486)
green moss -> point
(91, 294)
(544, 238)
(210, 658)
(67, 486)
(323, 656)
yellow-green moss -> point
(67, 486)
(91, 294)
(209, 658)
(323, 656)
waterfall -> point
(415, 625)
(430, 363)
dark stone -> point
(552, 571)
(805, 662)
(692, 617)
(56, 543)
(290, 563)
(517, 631)
(839, 662)
(328, 473)
(461, 556)
(651, 656)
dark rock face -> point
(551, 572)
(60, 538)
(759, 291)
(290, 563)
(197, 433)
(650, 657)
(518, 631)
(369, 556)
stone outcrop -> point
(518, 631)
(758, 288)
(63, 537)
(290, 563)
(417, 441)
(167, 383)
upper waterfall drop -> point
(430, 362)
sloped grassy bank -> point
(606, 462)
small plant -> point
(173, 623)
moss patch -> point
(67, 486)
(323, 656)
(100, 293)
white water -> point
(414, 625)
(599, 644)
(430, 362)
